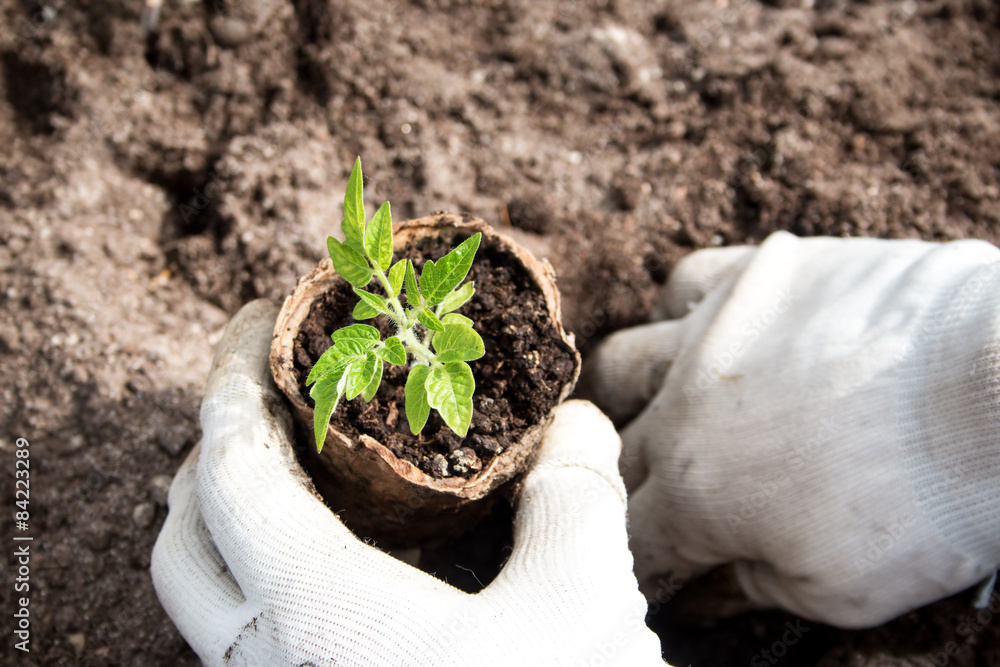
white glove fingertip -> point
(572, 508)
(245, 347)
(698, 274)
(570, 545)
(581, 432)
(626, 370)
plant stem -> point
(418, 349)
(404, 327)
(399, 315)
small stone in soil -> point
(487, 443)
(464, 460)
(98, 539)
(143, 515)
(173, 441)
(78, 641)
(159, 489)
(439, 466)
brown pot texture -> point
(376, 493)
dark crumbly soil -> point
(147, 190)
(525, 366)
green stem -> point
(418, 349)
(404, 327)
(398, 314)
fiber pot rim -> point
(367, 463)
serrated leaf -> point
(450, 270)
(362, 311)
(353, 225)
(325, 365)
(449, 391)
(325, 394)
(378, 237)
(351, 381)
(374, 300)
(458, 342)
(357, 332)
(417, 408)
(428, 279)
(354, 347)
(369, 391)
(412, 287)
(430, 320)
(396, 277)
(456, 298)
(455, 318)
(360, 374)
(393, 351)
(349, 263)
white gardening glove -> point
(822, 414)
(255, 570)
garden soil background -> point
(151, 187)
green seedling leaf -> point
(360, 374)
(352, 378)
(325, 365)
(350, 349)
(457, 298)
(430, 320)
(369, 391)
(362, 311)
(396, 277)
(417, 408)
(428, 280)
(326, 394)
(455, 318)
(449, 271)
(378, 237)
(412, 287)
(449, 391)
(458, 342)
(374, 300)
(336, 373)
(357, 332)
(349, 263)
(353, 225)
(354, 365)
(393, 351)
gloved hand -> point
(254, 569)
(821, 414)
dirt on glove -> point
(148, 188)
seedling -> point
(439, 340)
